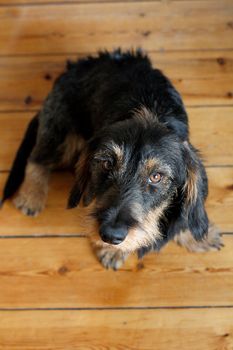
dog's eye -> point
(155, 178)
(107, 165)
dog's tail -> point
(17, 172)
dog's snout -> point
(113, 235)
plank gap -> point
(188, 307)
(37, 236)
(83, 53)
(63, 3)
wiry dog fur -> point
(124, 127)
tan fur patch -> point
(119, 152)
(81, 179)
(146, 234)
(33, 192)
(154, 164)
(144, 115)
(81, 167)
(137, 211)
(112, 147)
(70, 149)
(190, 186)
(150, 164)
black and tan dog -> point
(124, 127)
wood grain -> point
(14, 126)
(202, 77)
(182, 25)
(64, 273)
(55, 219)
(211, 132)
(128, 330)
(193, 40)
(56, 2)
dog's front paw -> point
(29, 204)
(111, 258)
(33, 191)
(212, 241)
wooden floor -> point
(53, 292)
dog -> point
(123, 127)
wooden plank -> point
(203, 77)
(134, 330)
(220, 199)
(81, 27)
(56, 220)
(57, 2)
(64, 273)
(13, 127)
(211, 131)
(43, 2)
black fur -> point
(119, 98)
(18, 168)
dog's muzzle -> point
(113, 234)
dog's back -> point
(104, 89)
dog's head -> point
(138, 171)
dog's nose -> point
(113, 235)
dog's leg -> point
(45, 156)
(48, 154)
(33, 192)
(212, 241)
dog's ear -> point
(195, 192)
(179, 127)
(82, 186)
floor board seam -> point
(64, 3)
(38, 236)
(82, 53)
(188, 307)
